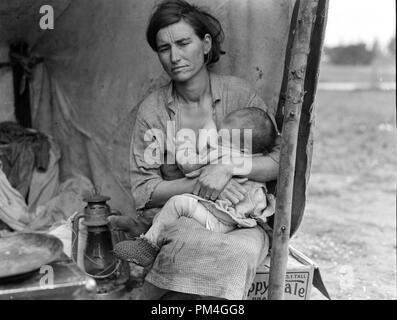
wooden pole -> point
(287, 61)
(305, 135)
(292, 110)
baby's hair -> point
(256, 119)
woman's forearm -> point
(264, 169)
(261, 169)
(166, 189)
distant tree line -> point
(352, 54)
(357, 54)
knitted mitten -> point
(139, 250)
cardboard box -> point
(298, 281)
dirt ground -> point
(349, 228)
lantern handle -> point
(75, 235)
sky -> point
(352, 21)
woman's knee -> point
(246, 246)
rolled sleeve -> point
(144, 168)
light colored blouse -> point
(150, 132)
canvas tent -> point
(92, 70)
(97, 67)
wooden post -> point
(292, 110)
(305, 135)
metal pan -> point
(23, 253)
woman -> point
(187, 41)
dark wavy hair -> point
(172, 11)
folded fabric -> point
(22, 150)
(253, 209)
(13, 209)
(15, 212)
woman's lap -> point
(197, 261)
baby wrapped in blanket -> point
(242, 134)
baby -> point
(220, 215)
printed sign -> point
(298, 281)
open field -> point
(379, 72)
(349, 228)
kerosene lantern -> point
(110, 273)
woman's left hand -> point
(212, 180)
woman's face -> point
(181, 51)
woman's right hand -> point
(233, 192)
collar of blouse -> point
(215, 89)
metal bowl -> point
(22, 253)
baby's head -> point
(256, 119)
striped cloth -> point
(198, 261)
